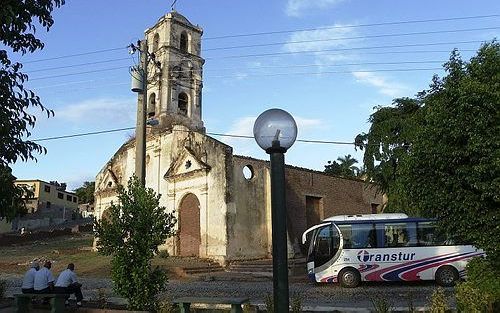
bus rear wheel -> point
(349, 278)
(446, 276)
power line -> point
(346, 49)
(76, 65)
(125, 47)
(330, 72)
(74, 55)
(264, 74)
(80, 73)
(123, 59)
(360, 53)
(352, 26)
(351, 38)
(208, 133)
(84, 134)
(313, 65)
(281, 53)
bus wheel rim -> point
(447, 276)
(348, 277)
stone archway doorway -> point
(189, 226)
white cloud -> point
(241, 75)
(327, 38)
(384, 86)
(96, 111)
(295, 8)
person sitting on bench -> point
(44, 281)
(67, 283)
(29, 278)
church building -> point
(222, 201)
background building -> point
(46, 203)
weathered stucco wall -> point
(250, 212)
(251, 235)
(167, 172)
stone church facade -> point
(222, 201)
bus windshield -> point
(326, 244)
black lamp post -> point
(275, 131)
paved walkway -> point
(313, 297)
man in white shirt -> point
(67, 283)
(29, 278)
(44, 281)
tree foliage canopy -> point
(85, 193)
(345, 167)
(18, 22)
(438, 155)
(131, 233)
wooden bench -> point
(185, 302)
(23, 301)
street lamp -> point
(275, 131)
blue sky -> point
(329, 86)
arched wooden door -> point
(189, 226)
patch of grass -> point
(76, 249)
(61, 250)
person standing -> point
(29, 278)
(67, 283)
(44, 281)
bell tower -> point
(175, 81)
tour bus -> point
(383, 247)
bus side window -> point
(400, 235)
(428, 235)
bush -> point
(296, 304)
(269, 301)
(248, 308)
(131, 234)
(481, 292)
(438, 302)
(381, 305)
(163, 254)
(3, 288)
(167, 307)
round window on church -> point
(248, 172)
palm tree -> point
(347, 166)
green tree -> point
(386, 143)
(85, 193)
(345, 167)
(452, 171)
(131, 234)
(438, 155)
(18, 23)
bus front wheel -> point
(446, 276)
(349, 278)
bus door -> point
(324, 248)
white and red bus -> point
(350, 249)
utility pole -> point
(140, 130)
